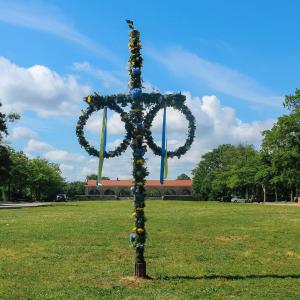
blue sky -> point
(235, 60)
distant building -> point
(121, 188)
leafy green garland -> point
(96, 103)
(139, 148)
(177, 102)
(154, 102)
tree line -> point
(270, 173)
(23, 178)
(30, 179)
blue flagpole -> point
(163, 148)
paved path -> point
(278, 203)
(24, 205)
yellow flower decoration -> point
(89, 99)
(139, 209)
(140, 161)
(134, 229)
(133, 214)
(140, 230)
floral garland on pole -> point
(96, 103)
(178, 103)
(139, 148)
(138, 135)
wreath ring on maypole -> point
(95, 105)
(176, 102)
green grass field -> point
(195, 250)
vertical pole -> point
(138, 148)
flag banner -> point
(163, 148)
(102, 146)
(166, 160)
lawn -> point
(195, 250)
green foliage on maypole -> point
(138, 236)
(138, 134)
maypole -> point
(138, 136)
(138, 236)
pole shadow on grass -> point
(230, 277)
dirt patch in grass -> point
(247, 253)
(228, 239)
(132, 281)
(293, 254)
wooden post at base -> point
(140, 270)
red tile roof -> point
(150, 182)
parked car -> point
(238, 200)
(224, 198)
(61, 197)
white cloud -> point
(35, 145)
(85, 171)
(65, 167)
(61, 155)
(114, 123)
(148, 87)
(119, 167)
(218, 77)
(107, 79)
(176, 121)
(70, 163)
(49, 19)
(39, 89)
(18, 133)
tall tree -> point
(292, 101)
(19, 174)
(282, 144)
(95, 177)
(210, 176)
(226, 170)
(242, 169)
(183, 177)
(5, 167)
(92, 177)
(74, 188)
(5, 161)
(265, 173)
(45, 180)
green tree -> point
(210, 176)
(265, 173)
(95, 177)
(226, 170)
(92, 177)
(5, 161)
(242, 170)
(154, 193)
(292, 101)
(19, 174)
(183, 177)
(46, 180)
(4, 118)
(74, 188)
(282, 144)
(5, 167)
